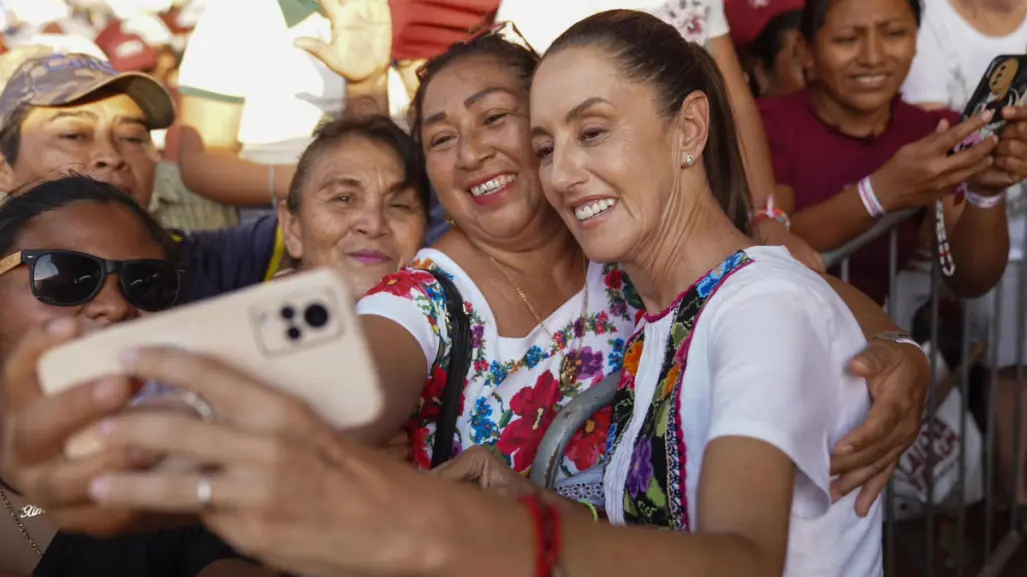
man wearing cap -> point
(74, 113)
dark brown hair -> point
(521, 60)
(649, 51)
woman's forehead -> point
(465, 76)
(105, 230)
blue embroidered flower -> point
(434, 292)
(498, 372)
(534, 356)
(611, 438)
(481, 425)
(713, 278)
(615, 360)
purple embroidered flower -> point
(618, 308)
(589, 363)
(477, 334)
(579, 328)
(641, 473)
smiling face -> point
(105, 138)
(356, 213)
(610, 159)
(863, 52)
(478, 147)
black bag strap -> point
(459, 365)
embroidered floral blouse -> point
(515, 386)
(756, 348)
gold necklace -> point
(571, 363)
(17, 521)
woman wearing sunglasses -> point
(75, 248)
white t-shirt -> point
(514, 386)
(242, 51)
(951, 58)
(767, 360)
(542, 21)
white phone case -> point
(298, 334)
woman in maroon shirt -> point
(851, 150)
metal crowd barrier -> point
(915, 540)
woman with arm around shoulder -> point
(733, 395)
(719, 408)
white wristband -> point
(984, 202)
(870, 202)
(899, 338)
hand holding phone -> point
(1004, 84)
(921, 172)
(299, 334)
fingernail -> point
(108, 390)
(844, 450)
(988, 114)
(99, 488)
(106, 427)
(60, 327)
(129, 357)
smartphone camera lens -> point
(316, 315)
(288, 313)
(294, 334)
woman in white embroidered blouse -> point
(638, 158)
(737, 395)
(538, 337)
(627, 172)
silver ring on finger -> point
(204, 491)
(200, 405)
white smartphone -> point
(298, 334)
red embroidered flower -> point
(615, 279)
(534, 406)
(431, 396)
(589, 443)
(421, 437)
(419, 443)
(403, 283)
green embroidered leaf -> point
(662, 418)
(656, 496)
(505, 419)
(678, 334)
(629, 506)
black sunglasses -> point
(65, 278)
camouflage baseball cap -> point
(63, 79)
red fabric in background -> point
(426, 28)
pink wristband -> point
(870, 202)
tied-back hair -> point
(39, 198)
(815, 13)
(375, 128)
(520, 59)
(649, 51)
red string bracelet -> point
(548, 544)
